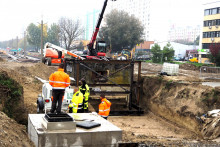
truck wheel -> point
(43, 60)
(39, 109)
(49, 61)
(40, 105)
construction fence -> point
(210, 72)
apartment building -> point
(91, 20)
(211, 29)
(188, 33)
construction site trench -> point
(171, 106)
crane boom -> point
(50, 45)
(92, 51)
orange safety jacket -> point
(59, 79)
(104, 107)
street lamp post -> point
(41, 40)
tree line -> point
(120, 31)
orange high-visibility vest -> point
(104, 107)
(59, 79)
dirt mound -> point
(24, 74)
(39, 69)
(12, 134)
(188, 66)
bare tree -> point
(70, 30)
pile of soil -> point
(187, 66)
(12, 133)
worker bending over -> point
(59, 80)
(104, 107)
(84, 88)
(76, 105)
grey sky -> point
(16, 15)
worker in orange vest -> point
(59, 80)
(104, 107)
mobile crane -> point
(99, 51)
(54, 54)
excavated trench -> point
(172, 100)
(178, 102)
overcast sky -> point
(16, 15)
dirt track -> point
(148, 129)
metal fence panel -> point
(210, 72)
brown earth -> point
(13, 134)
(170, 104)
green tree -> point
(215, 53)
(167, 52)
(34, 36)
(157, 53)
(53, 34)
(121, 30)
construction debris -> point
(211, 127)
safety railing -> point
(207, 72)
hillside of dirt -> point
(171, 104)
(13, 134)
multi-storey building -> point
(91, 20)
(188, 33)
(211, 29)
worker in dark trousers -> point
(84, 88)
(59, 80)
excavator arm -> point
(60, 50)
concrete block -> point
(106, 135)
(99, 138)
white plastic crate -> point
(170, 69)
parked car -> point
(179, 58)
(194, 60)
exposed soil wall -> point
(179, 102)
(12, 100)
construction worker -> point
(104, 107)
(59, 80)
(84, 88)
(76, 105)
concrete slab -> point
(106, 135)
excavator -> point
(96, 49)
